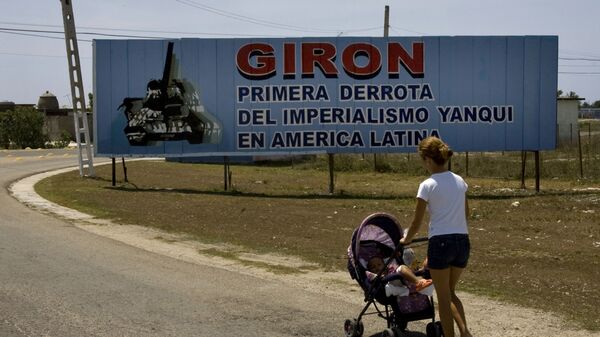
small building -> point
(57, 121)
(567, 126)
(48, 104)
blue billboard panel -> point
(194, 97)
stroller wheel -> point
(388, 333)
(434, 329)
(440, 331)
(401, 325)
(353, 328)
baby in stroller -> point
(380, 266)
(376, 266)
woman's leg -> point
(441, 282)
(458, 312)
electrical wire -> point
(39, 32)
(40, 55)
(140, 30)
(266, 23)
(39, 35)
(81, 33)
(579, 59)
(579, 73)
(398, 29)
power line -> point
(579, 65)
(38, 32)
(39, 55)
(265, 23)
(38, 35)
(214, 11)
(579, 73)
(82, 33)
(397, 30)
(31, 30)
(580, 59)
(575, 53)
(139, 30)
(238, 16)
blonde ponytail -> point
(445, 152)
(435, 149)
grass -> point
(541, 250)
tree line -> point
(23, 127)
(573, 94)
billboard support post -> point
(537, 171)
(523, 163)
(580, 153)
(114, 172)
(331, 173)
(124, 170)
(226, 174)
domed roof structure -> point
(47, 102)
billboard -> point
(201, 97)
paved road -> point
(59, 280)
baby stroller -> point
(379, 234)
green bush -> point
(64, 140)
(5, 127)
(21, 128)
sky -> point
(33, 54)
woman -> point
(443, 194)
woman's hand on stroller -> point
(405, 241)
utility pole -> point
(386, 22)
(79, 109)
(386, 32)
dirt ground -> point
(485, 317)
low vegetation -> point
(21, 128)
(24, 127)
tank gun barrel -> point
(167, 70)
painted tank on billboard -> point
(170, 111)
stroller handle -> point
(400, 247)
(423, 239)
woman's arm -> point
(416, 223)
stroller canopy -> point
(377, 235)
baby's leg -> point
(407, 273)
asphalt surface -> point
(59, 280)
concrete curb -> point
(23, 191)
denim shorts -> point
(451, 250)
